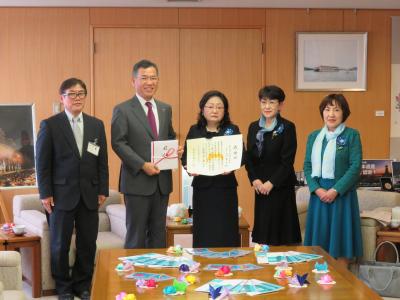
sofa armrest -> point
(113, 198)
(26, 202)
(117, 214)
(35, 221)
(10, 270)
(369, 199)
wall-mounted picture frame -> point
(331, 61)
(396, 174)
(17, 146)
(372, 170)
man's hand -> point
(180, 151)
(101, 198)
(150, 169)
(47, 204)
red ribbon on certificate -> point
(167, 155)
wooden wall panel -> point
(281, 27)
(229, 60)
(39, 48)
(134, 16)
(211, 17)
(117, 50)
(375, 131)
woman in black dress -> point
(271, 149)
(215, 200)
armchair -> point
(28, 210)
(367, 200)
(10, 276)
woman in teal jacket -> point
(332, 168)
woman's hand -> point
(326, 196)
(190, 174)
(321, 194)
(227, 173)
(331, 195)
(257, 184)
(267, 187)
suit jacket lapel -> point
(137, 109)
(161, 118)
(66, 129)
(87, 127)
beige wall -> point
(39, 47)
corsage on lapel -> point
(278, 131)
(228, 131)
(341, 142)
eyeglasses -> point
(74, 95)
(214, 107)
(149, 78)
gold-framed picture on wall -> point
(331, 61)
(17, 141)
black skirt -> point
(275, 218)
(215, 217)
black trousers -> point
(62, 223)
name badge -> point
(93, 148)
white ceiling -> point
(353, 4)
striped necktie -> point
(77, 133)
(151, 119)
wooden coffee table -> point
(10, 241)
(107, 283)
(178, 228)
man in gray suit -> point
(135, 124)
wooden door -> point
(229, 60)
(116, 51)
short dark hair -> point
(337, 99)
(144, 63)
(201, 121)
(271, 92)
(69, 83)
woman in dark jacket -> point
(271, 150)
(215, 200)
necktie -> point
(152, 119)
(77, 133)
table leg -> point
(244, 234)
(36, 271)
(170, 238)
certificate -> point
(164, 154)
(214, 156)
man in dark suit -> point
(72, 172)
(135, 124)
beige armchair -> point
(10, 276)
(367, 200)
(28, 210)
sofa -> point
(28, 210)
(10, 276)
(367, 200)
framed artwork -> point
(17, 140)
(372, 170)
(396, 174)
(331, 61)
